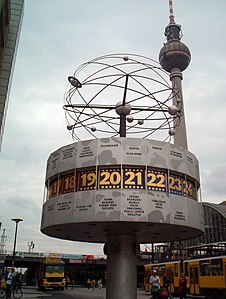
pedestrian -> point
(182, 290)
(154, 285)
(17, 280)
(99, 283)
(93, 284)
(67, 282)
(166, 284)
(88, 283)
(72, 284)
(9, 282)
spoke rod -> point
(112, 107)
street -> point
(76, 293)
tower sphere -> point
(174, 54)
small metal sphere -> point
(174, 54)
(130, 119)
(171, 132)
(125, 58)
(69, 127)
(74, 82)
(172, 110)
(120, 109)
(93, 129)
(140, 122)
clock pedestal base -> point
(121, 267)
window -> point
(217, 267)
(170, 274)
(186, 269)
(162, 270)
(54, 268)
(176, 270)
(205, 268)
(196, 275)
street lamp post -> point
(16, 220)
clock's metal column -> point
(122, 129)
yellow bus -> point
(51, 274)
(173, 269)
(206, 276)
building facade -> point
(211, 242)
(11, 13)
(214, 225)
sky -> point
(56, 37)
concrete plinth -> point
(121, 267)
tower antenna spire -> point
(173, 30)
(171, 17)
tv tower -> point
(174, 58)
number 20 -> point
(110, 178)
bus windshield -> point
(54, 268)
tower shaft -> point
(180, 137)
